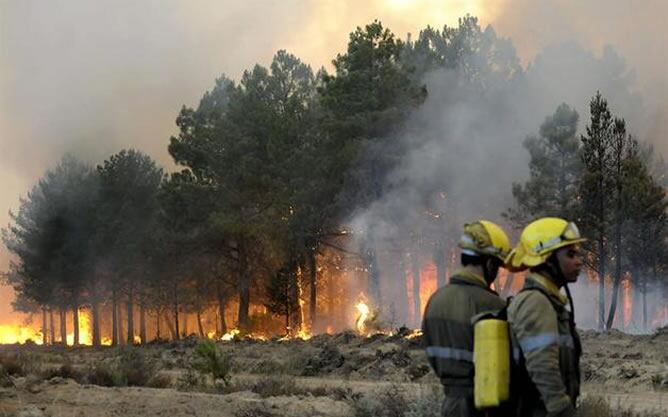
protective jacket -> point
(448, 336)
(546, 348)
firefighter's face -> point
(570, 261)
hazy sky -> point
(92, 77)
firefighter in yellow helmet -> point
(446, 327)
(546, 344)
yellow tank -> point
(491, 356)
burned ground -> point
(327, 375)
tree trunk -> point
(157, 325)
(618, 273)
(644, 302)
(121, 329)
(221, 309)
(52, 326)
(131, 319)
(313, 284)
(185, 332)
(96, 323)
(170, 326)
(75, 323)
(44, 327)
(244, 294)
(200, 329)
(177, 334)
(439, 260)
(601, 283)
(331, 296)
(415, 272)
(142, 320)
(63, 326)
(403, 288)
(296, 296)
(114, 319)
(371, 264)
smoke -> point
(90, 78)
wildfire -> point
(18, 334)
(230, 335)
(85, 333)
(364, 311)
(303, 332)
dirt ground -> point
(338, 375)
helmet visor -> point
(571, 232)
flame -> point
(10, 334)
(85, 333)
(230, 335)
(364, 311)
(414, 334)
(303, 332)
(304, 335)
(211, 335)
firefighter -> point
(447, 329)
(546, 344)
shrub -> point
(105, 375)
(189, 380)
(130, 368)
(66, 370)
(160, 381)
(596, 406)
(20, 364)
(390, 402)
(209, 360)
(135, 368)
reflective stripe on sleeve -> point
(532, 343)
(449, 353)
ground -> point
(339, 375)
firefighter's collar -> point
(470, 277)
(549, 285)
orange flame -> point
(363, 314)
(10, 334)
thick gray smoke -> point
(465, 142)
(92, 77)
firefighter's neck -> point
(547, 272)
(477, 270)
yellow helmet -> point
(485, 238)
(539, 239)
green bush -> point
(105, 375)
(135, 367)
(66, 370)
(20, 364)
(130, 368)
(190, 380)
(209, 360)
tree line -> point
(272, 168)
(615, 189)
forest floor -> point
(327, 375)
